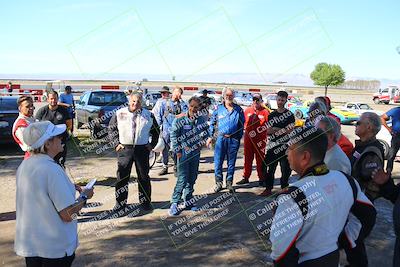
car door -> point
(81, 115)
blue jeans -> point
(188, 168)
(225, 147)
(166, 152)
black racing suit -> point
(365, 158)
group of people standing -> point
(349, 178)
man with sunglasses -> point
(368, 153)
(256, 117)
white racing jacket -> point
(309, 227)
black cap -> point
(165, 89)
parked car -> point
(300, 110)
(211, 93)
(270, 101)
(345, 116)
(360, 108)
(243, 98)
(150, 99)
(293, 101)
(95, 109)
(8, 114)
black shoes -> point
(218, 187)
(243, 181)
(164, 171)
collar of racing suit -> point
(359, 143)
(316, 170)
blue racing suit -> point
(187, 138)
(165, 111)
(228, 126)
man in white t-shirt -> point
(335, 158)
(46, 229)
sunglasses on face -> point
(358, 123)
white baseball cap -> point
(37, 133)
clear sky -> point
(96, 38)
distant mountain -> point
(246, 78)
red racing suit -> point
(255, 138)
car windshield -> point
(294, 99)
(365, 106)
(8, 104)
(210, 91)
(248, 97)
(107, 98)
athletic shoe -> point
(230, 187)
(243, 181)
(218, 187)
(173, 210)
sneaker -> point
(164, 171)
(230, 187)
(266, 193)
(218, 187)
(243, 181)
(191, 207)
(173, 210)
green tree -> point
(326, 75)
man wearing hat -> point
(205, 100)
(67, 100)
(256, 118)
(165, 111)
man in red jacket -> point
(255, 137)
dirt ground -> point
(223, 234)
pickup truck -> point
(386, 95)
(95, 109)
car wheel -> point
(387, 102)
(298, 114)
(386, 148)
(376, 101)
